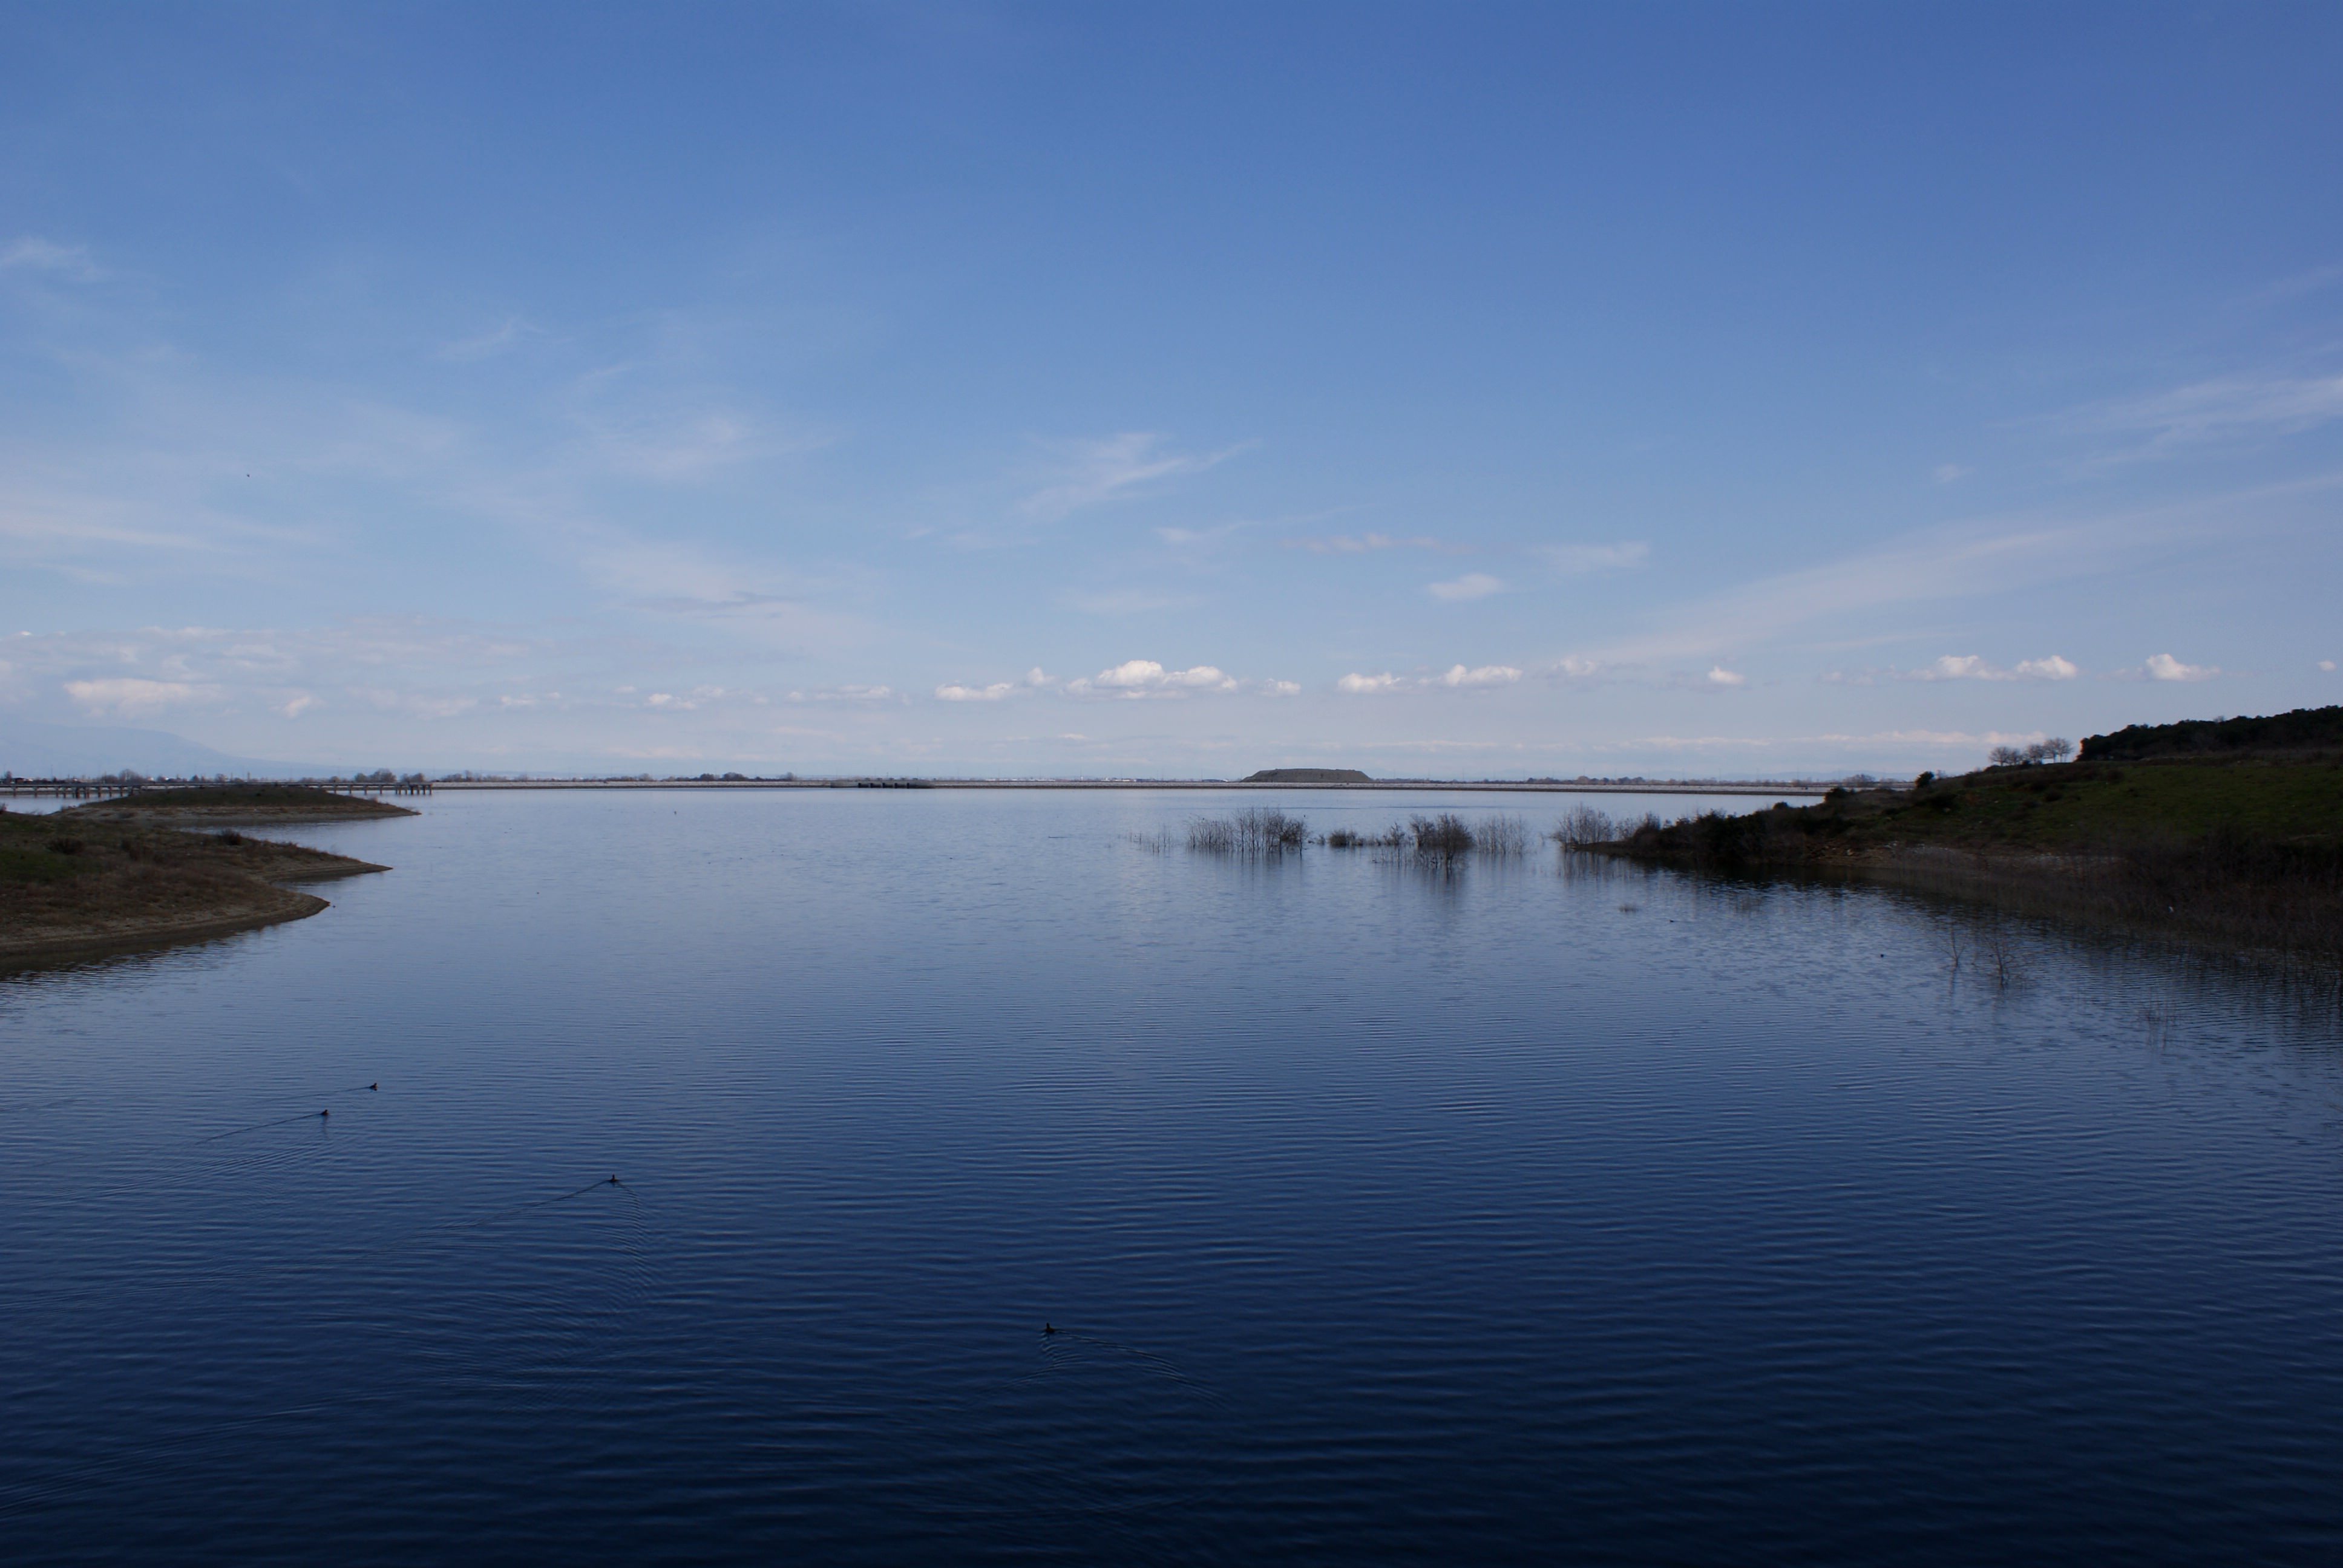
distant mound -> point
(1307, 776)
(2304, 730)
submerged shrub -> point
(1257, 830)
(1584, 828)
(1441, 838)
(1449, 836)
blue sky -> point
(1482, 390)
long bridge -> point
(102, 788)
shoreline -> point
(1388, 786)
(2240, 857)
(2081, 891)
(135, 937)
(85, 882)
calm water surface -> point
(1520, 1214)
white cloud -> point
(1457, 677)
(1293, 687)
(1486, 675)
(1580, 558)
(1720, 676)
(1091, 472)
(1366, 544)
(2327, 665)
(1577, 669)
(1471, 586)
(1946, 473)
(2164, 667)
(1971, 666)
(1143, 675)
(958, 693)
(129, 694)
(295, 705)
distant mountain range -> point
(32, 749)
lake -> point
(1529, 1210)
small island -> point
(2228, 833)
(1306, 776)
(110, 876)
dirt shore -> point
(69, 885)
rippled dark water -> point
(1518, 1214)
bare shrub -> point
(1445, 837)
(1211, 834)
(1449, 836)
(1506, 837)
(1583, 828)
(1257, 830)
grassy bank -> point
(2243, 852)
(69, 885)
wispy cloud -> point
(1127, 601)
(1471, 586)
(1987, 557)
(2223, 409)
(130, 695)
(1720, 676)
(1115, 468)
(1369, 544)
(488, 345)
(1576, 560)
(31, 252)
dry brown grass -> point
(67, 884)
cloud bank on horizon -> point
(1019, 390)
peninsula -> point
(240, 805)
(111, 874)
(2228, 833)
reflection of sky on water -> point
(1530, 1208)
